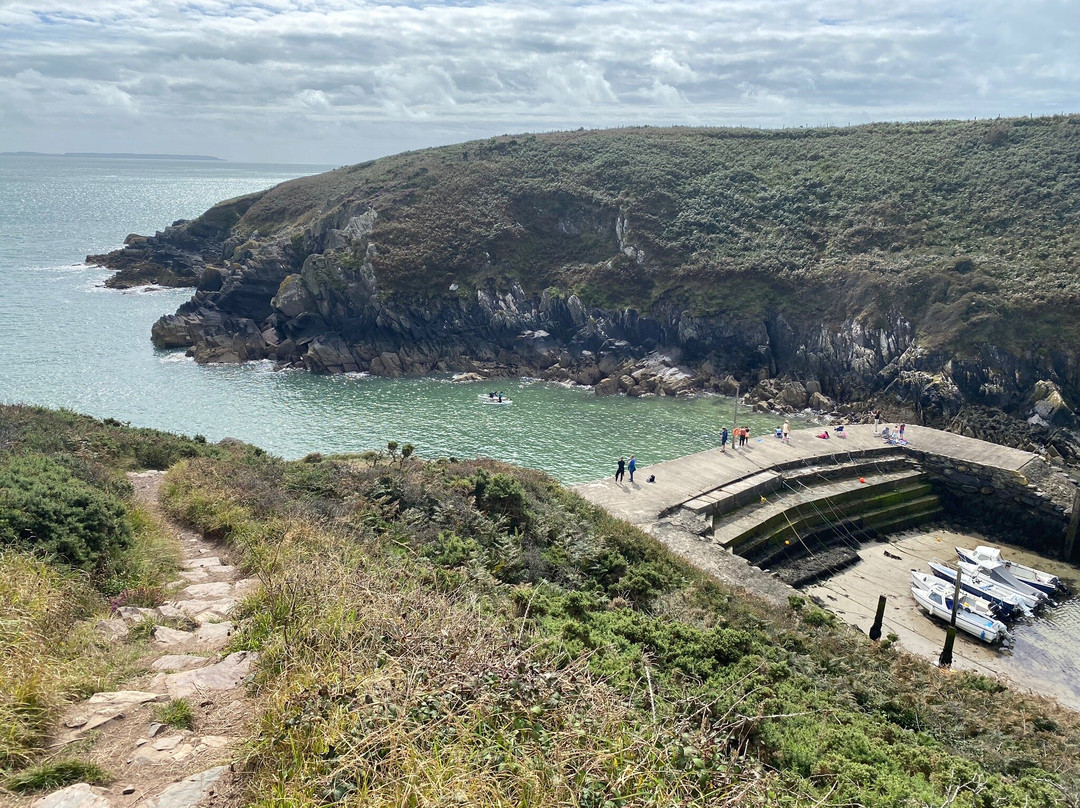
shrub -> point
(44, 508)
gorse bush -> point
(46, 509)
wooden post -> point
(735, 417)
(1072, 549)
(945, 660)
(875, 630)
(955, 600)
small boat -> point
(986, 629)
(973, 603)
(487, 400)
(989, 556)
(998, 574)
(1009, 602)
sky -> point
(342, 81)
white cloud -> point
(378, 76)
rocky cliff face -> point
(528, 282)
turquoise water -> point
(66, 341)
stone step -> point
(738, 493)
(851, 515)
(737, 527)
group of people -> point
(739, 436)
(496, 396)
(624, 467)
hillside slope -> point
(935, 263)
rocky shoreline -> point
(330, 315)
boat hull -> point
(982, 628)
(1008, 603)
(1045, 582)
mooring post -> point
(875, 630)
(945, 660)
(1072, 550)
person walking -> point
(631, 466)
(723, 439)
(621, 471)
(786, 432)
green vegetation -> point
(473, 633)
(949, 223)
(50, 776)
(177, 713)
(71, 544)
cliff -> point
(929, 267)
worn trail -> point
(155, 765)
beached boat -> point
(998, 574)
(1008, 601)
(989, 556)
(973, 603)
(986, 629)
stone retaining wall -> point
(1030, 507)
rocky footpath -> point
(155, 765)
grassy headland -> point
(950, 222)
(926, 267)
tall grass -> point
(50, 653)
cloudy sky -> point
(339, 81)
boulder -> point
(80, 795)
(607, 387)
(793, 394)
(188, 792)
(821, 403)
(293, 298)
(1049, 406)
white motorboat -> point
(1008, 601)
(496, 399)
(973, 603)
(986, 629)
(990, 556)
(999, 574)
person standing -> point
(621, 471)
(786, 432)
(723, 439)
(631, 466)
(902, 431)
(877, 420)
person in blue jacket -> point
(723, 439)
(631, 466)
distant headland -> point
(113, 155)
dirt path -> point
(156, 765)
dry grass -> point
(50, 651)
(384, 690)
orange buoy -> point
(862, 479)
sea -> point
(67, 341)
